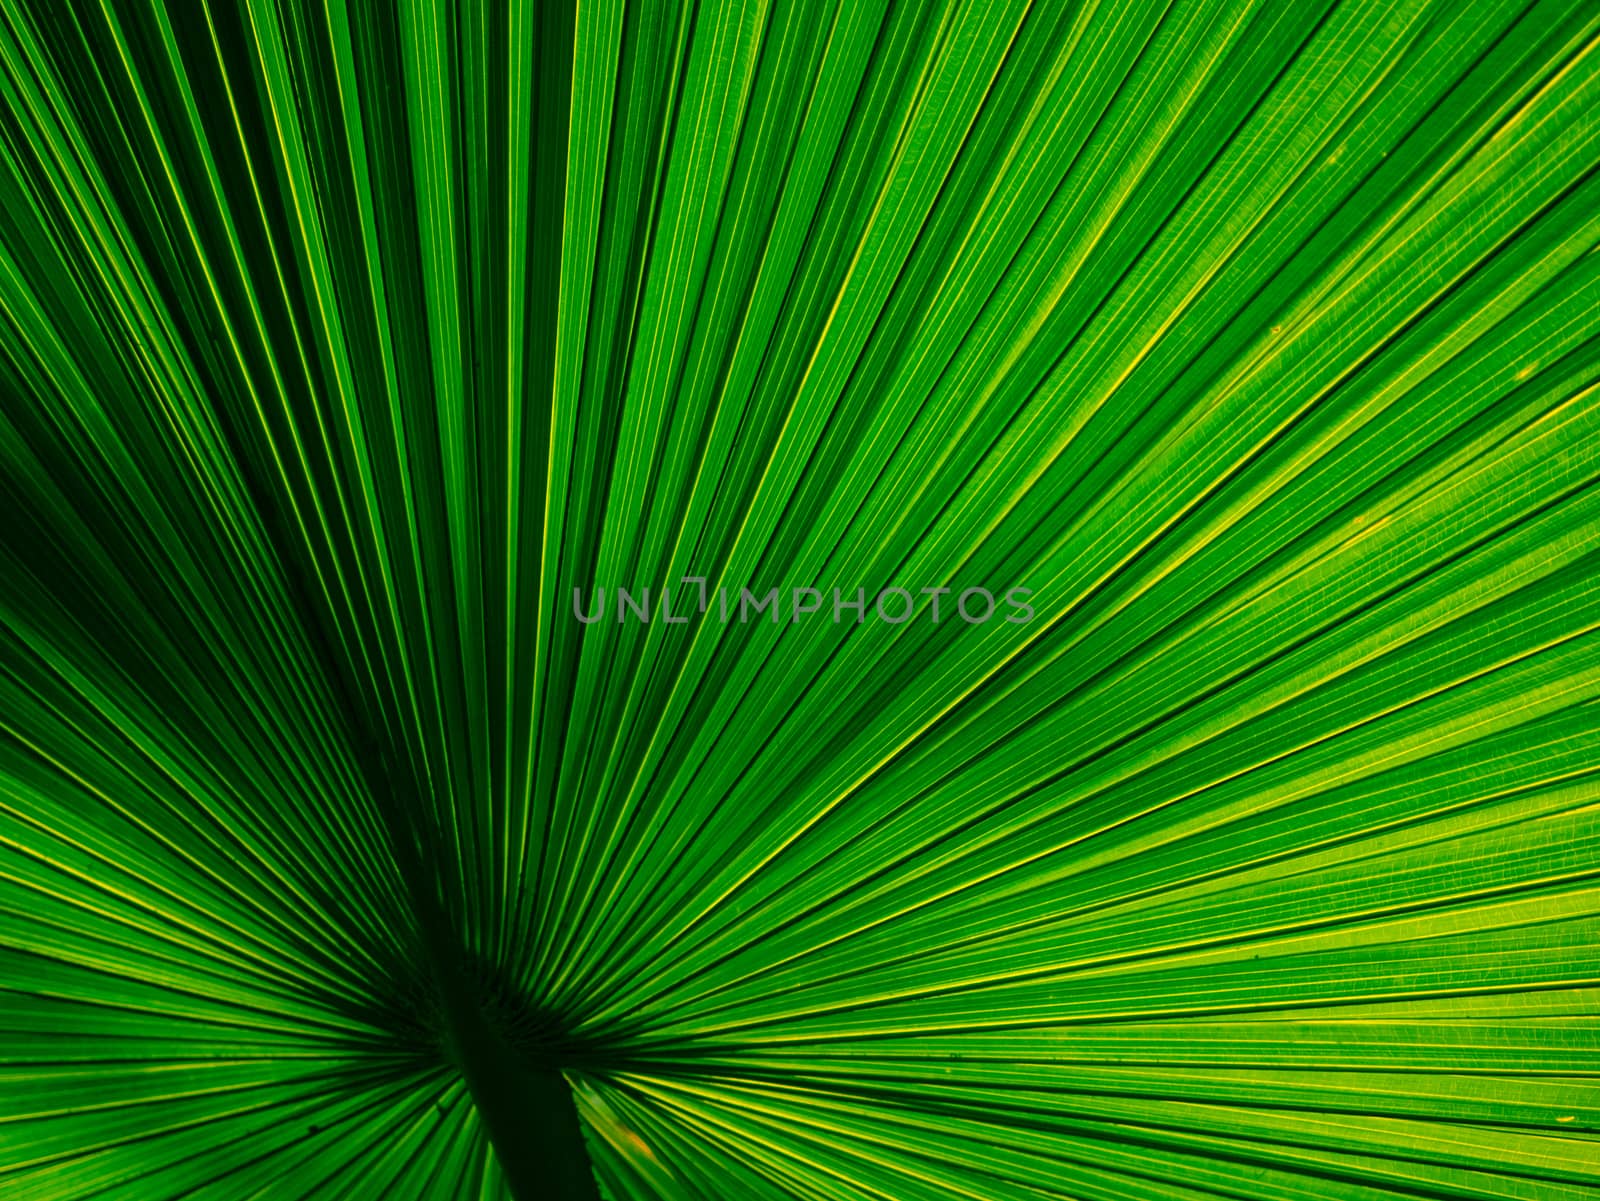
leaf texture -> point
(343, 343)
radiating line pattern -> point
(341, 343)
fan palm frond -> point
(459, 733)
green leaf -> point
(346, 347)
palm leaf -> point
(350, 348)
